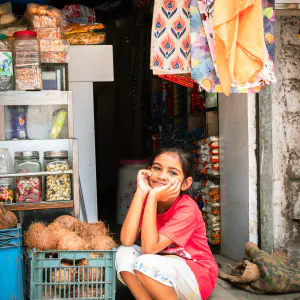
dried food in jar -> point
(49, 33)
(53, 57)
(28, 78)
(58, 187)
(86, 38)
(6, 194)
(28, 189)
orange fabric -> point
(238, 25)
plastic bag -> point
(76, 28)
(18, 116)
(6, 15)
(54, 45)
(79, 11)
(86, 38)
(53, 57)
(42, 10)
(58, 123)
(44, 21)
(49, 33)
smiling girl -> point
(174, 260)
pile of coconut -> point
(7, 219)
(68, 233)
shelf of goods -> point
(41, 100)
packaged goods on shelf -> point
(58, 187)
(54, 45)
(42, 10)
(77, 34)
(86, 38)
(44, 21)
(76, 28)
(28, 73)
(49, 33)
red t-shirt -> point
(184, 225)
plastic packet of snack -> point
(42, 10)
(58, 123)
(49, 33)
(77, 28)
(54, 57)
(37, 21)
(55, 45)
(86, 38)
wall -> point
(238, 173)
(279, 142)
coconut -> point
(7, 219)
(67, 222)
(58, 231)
(40, 237)
(71, 241)
(103, 243)
(88, 273)
(64, 274)
(97, 229)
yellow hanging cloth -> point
(238, 26)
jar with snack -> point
(28, 189)
(57, 187)
(6, 184)
(28, 73)
(6, 65)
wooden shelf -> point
(39, 205)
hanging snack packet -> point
(58, 123)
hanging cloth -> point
(240, 48)
(203, 70)
(170, 38)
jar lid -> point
(134, 162)
(56, 154)
(25, 33)
(27, 154)
(2, 37)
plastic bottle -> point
(6, 184)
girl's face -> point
(165, 168)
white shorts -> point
(169, 270)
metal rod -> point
(35, 174)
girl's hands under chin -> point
(166, 192)
(143, 181)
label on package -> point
(6, 65)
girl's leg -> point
(157, 290)
(137, 290)
(125, 261)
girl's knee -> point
(124, 251)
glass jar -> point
(6, 65)
(28, 74)
(57, 187)
(6, 184)
(28, 189)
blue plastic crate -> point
(11, 264)
(70, 275)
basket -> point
(70, 275)
(11, 262)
